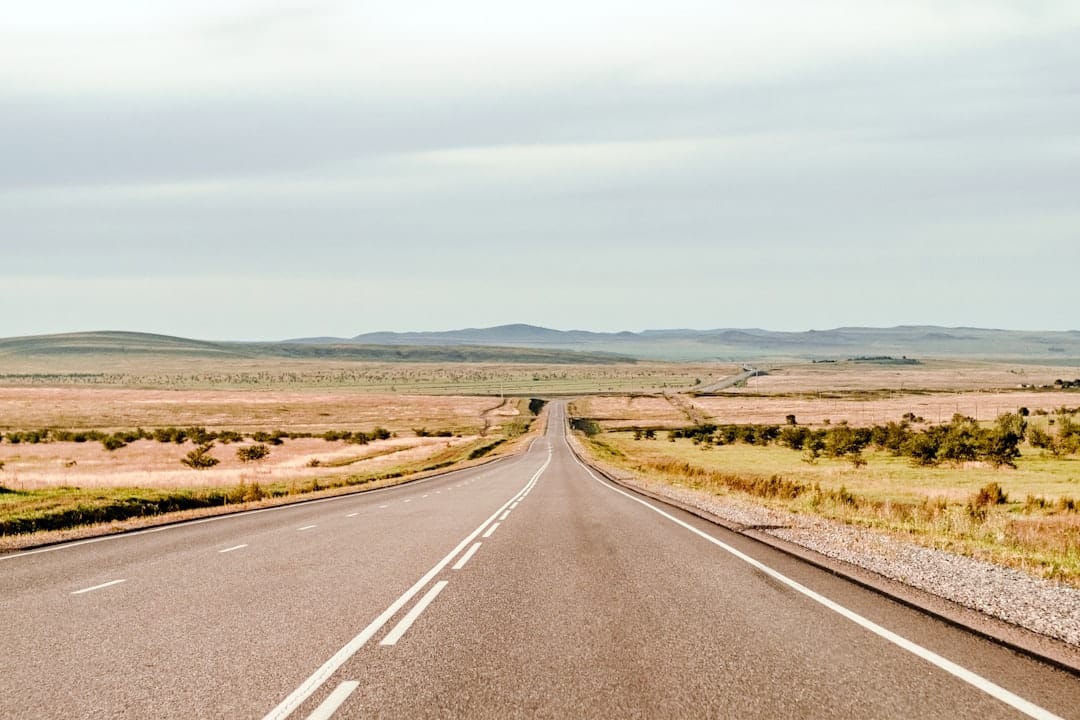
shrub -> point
(113, 442)
(989, 494)
(252, 453)
(200, 458)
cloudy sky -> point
(262, 170)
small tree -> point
(252, 453)
(200, 458)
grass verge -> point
(1020, 518)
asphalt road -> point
(525, 588)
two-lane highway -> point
(528, 587)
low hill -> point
(732, 344)
(129, 344)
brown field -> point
(81, 408)
(981, 405)
(148, 464)
(450, 378)
(932, 375)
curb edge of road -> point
(1019, 639)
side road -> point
(1034, 616)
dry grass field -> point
(848, 377)
(452, 378)
(1035, 527)
(150, 464)
(83, 408)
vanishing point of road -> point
(528, 587)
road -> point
(528, 587)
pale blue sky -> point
(262, 170)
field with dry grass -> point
(950, 376)
(450, 378)
(1033, 525)
(50, 480)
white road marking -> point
(423, 496)
(513, 506)
(406, 622)
(234, 547)
(230, 516)
(330, 705)
(320, 676)
(383, 507)
(306, 527)
(1028, 708)
(97, 587)
(491, 530)
(466, 557)
(504, 516)
(407, 500)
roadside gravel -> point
(1043, 606)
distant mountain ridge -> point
(756, 343)
(533, 344)
(113, 344)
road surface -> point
(528, 587)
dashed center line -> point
(352, 514)
(306, 527)
(383, 507)
(423, 496)
(234, 547)
(406, 622)
(97, 587)
(407, 500)
(333, 701)
(513, 506)
(465, 558)
(504, 515)
(491, 530)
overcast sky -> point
(263, 170)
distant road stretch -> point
(529, 587)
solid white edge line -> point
(317, 678)
(97, 587)
(466, 557)
(333, 701)
(234, 547)
(491, 530)
(996, 691)
(234, 516)
(410, 617)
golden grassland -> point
(83, 408)
(621, 411)
(936, 375)
(935, 506)
(452, 378)
(58, 485)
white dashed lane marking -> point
(97, 587)
(465, 558)
(234, 547)
(330, 705)
(406, 622)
